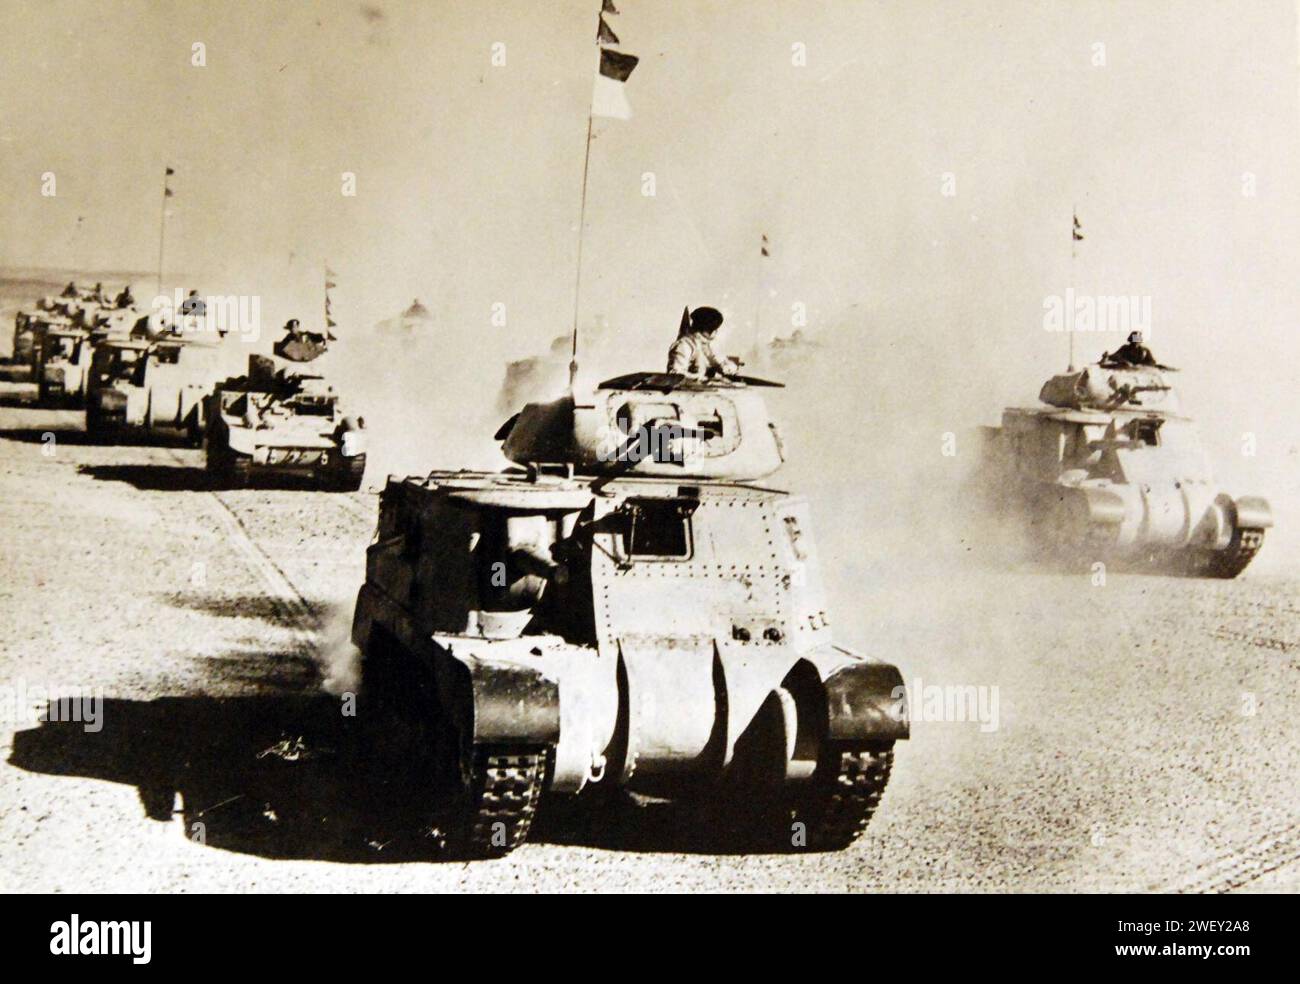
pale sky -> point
(468, 174)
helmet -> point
(706, 319)
(1135, 338)
(291, 324)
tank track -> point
(842, 805)
(1237, 557)
(1226, 563)
(506, 787)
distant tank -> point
(626, 609)
(282, 419)
(62, 362)
(65, 351)
(143, 387)
(1109, 469)
(30, 325)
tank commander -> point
(193, 304)
(1132, 353)
(70, 290)
(692, 353)
(98, 295)
(124, 298)
(299, 344)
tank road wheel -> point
(505, 786)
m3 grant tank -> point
(149, 387)
(626, 609)
(281, 419)
(1109, 469)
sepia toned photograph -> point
(650, 446)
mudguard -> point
(1254, 512)
(508, 702)
(512, 704)
(867, 702)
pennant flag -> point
(1077, 232)
(170, 171)
(685, 327)
(329, 306)
(608, 98)
(167, 193)
(604, 35)
(763, 249)
(616, 65)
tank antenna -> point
(577, 283)
(1076, 237)
(612, 67)
(168, 171)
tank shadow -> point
(288, 777)
(261, 607)
(150, 478)
(277, 777)
(627, 823)
(36, 435)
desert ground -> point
(1146, 734)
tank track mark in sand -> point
(1239, 867)
(303, 621)
(506, 787)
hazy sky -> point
(468, 174)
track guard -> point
(866, 702)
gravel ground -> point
(1148, 730)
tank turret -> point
(662, 425)
(1110, 387)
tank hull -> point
(1121, 487)
(702, 670)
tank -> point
(140, 387)
(283, 419)
(62, 360)
(1108, 468)
(628, 609)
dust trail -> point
(337, 659)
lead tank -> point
(1108, 468)
(626, 608)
